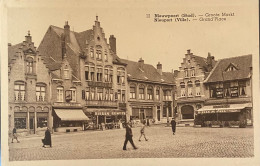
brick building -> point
(29, 89)
(190, 91)
(151, 92)
(87, 76)
(229, 92)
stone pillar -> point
(28, 121)
(35, 122)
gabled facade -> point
(85, 66)
(151, 92)
(29, 89)
(190, 91)
(229, 92)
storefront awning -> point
(71, 114)
(227, 108)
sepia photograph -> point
(130, 82)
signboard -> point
(234, 91)
(221, 106)
(109, 113)
(219, 92)
(68, 95)
(218, 111)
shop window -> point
(99, 74)
(132, 91)
(41, 122)
(40, 92)
(141, 92)
(19, 91)
(150, 93)
(59, 94)
(73, 94)
(164, 112)
(20, 123)
(157, 93)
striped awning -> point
(71, 114)
(223, 108)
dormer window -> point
(186, 74)
(231, 67)
(66, 72)
(92, 53)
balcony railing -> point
(102, 103)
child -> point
(142, 132)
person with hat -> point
(173, 123)
(129, 137)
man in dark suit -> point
(173, 123)
(129, 137)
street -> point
(108, 144)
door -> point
(158, 115)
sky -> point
(141, 37)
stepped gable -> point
(13, 50)
(242, 65)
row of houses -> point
(76, 77)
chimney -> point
(159, 68)
(28, 37)
(188, 51)
(112, 43)
(9, 44)
(67, 32)
(141, 64)
(210, 61)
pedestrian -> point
(173, 123)
(148, 122)
(47, 138)
(142, 132)
(15, 136)
(129, 137)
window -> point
(197, 89)
(59, 94)
(150, 93)
(92, 53)
(141, 92)
(226, 89)
(86, 72)
(92, 73)
(106, 94)
(106, 75)
(92, 93)
(132, 91)
(40, 92)
(87, 93)
(99, 54)
(190, 89)
(186, 73)
(167, 95)
(119, 95)
(100, 94)
(99, 74)
(73, 93)
(123, 95)
(19, 91)
(106, 57)
(41, 122)
(20, 123)
(111, 75)
(242, 88)
(193, 72)
(111, 96)
(120, 76)
(29, 65)
(212, 90)
(66, 72)
(157, 93)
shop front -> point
(226, 115)
(69, 120)
(106, 118)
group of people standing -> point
(129, 133)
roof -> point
(148, 73)
(12, 50)
(219, 73)
(201, 61)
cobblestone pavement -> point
(188, 142)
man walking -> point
(129, 137)
(15, 136)
(173, 123)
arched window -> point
(190, 88)
(60, 94)
(40, 92)
(99, 52)
(132, 91)
(29, 65)
(141, 92)
(19, 91)
(150, 93)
